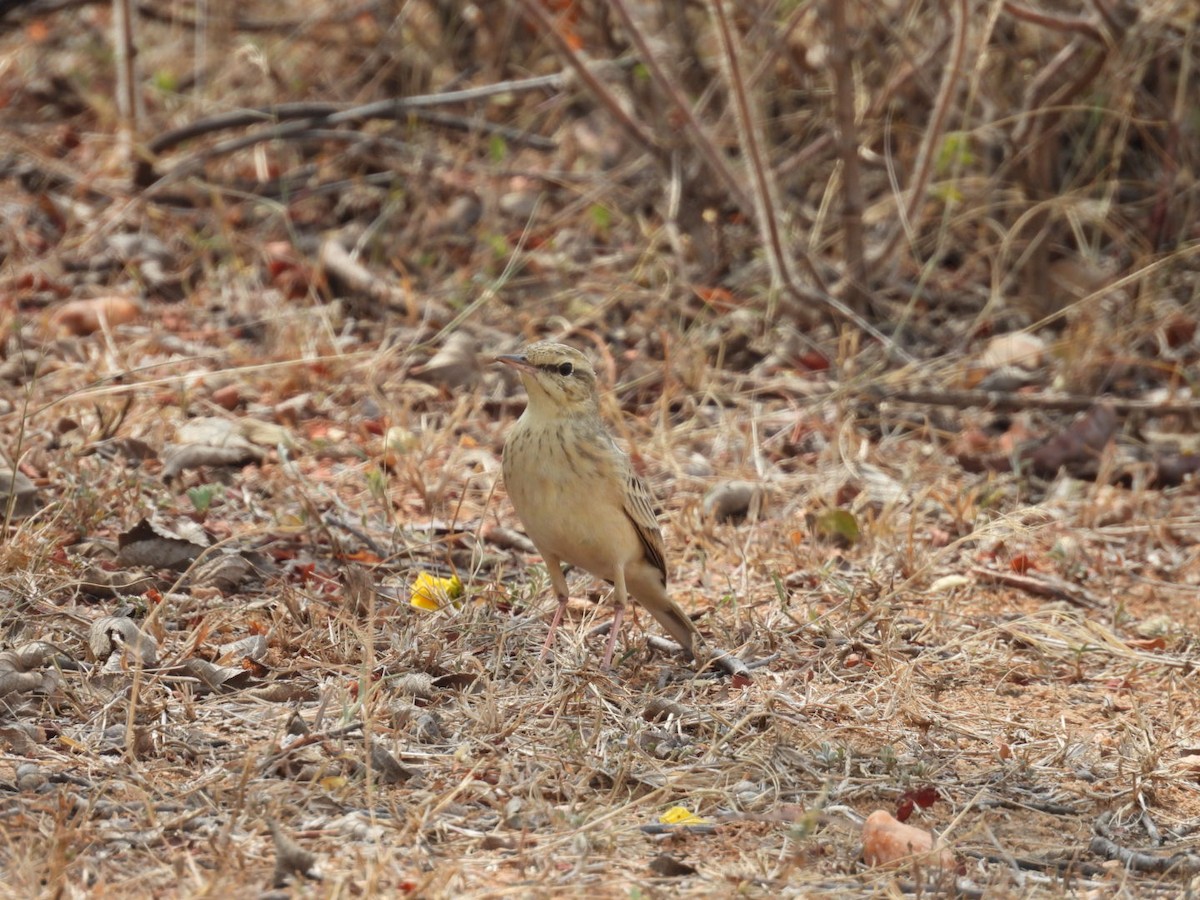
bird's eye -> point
(565, 369)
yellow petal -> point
(432, 593)
(679, 815)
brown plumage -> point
(578, 497)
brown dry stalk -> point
(536, 13)
(1067, 24)
(847, 144)
(702, 142)
(749, 135)
(1001, 401)
(931, 139)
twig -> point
(1045, 806)
(1041, 587)
(1001, 401)
(805, 298)
(1041, 102)
(659, 829)
(749, 136)
(1103, 844)
(455, 123)
(1029, 864)
(289, 120)
(1066, 24)
(333, 521)
(307, 740)
(804, 159)
(335, 259)
(338, 113)
(847, 146)
(1115, 27)
(536, 13)
(931, 139)
(702, 142)
(127, 84)
(173, 14)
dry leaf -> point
(265, 434)
(18, 495)
(110, 636)
(667, 866)
(24, 365)
(254, 648)
(416, 684)
(1172, 470)
(152, 543)
(217, 679)
(388, 770)
(735, 501)
(455, 365)
(212, 431)
(228, 397)
(290, 858)
(1018, 348)
(1078, 446)
(1074, 277)
(457, 218)
(20, 668)
(83, 317)
(208, 441)
(836, 526)
(225, 572)
(177, 459)
(98, 582)
(24, 739)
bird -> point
(578, 497)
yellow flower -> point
(679, 815)
(432, 593)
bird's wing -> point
(640, 509)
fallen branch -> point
(1002, 401)
(289, 119)
(1040, 587)
(1103, 844)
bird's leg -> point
(558, 614)
(559, 581)
(618, 615)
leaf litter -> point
(249, 421)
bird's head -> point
(559, 379)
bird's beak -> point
(517, 362)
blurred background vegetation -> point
(924, 171)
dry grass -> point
(293, 724)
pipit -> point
(577, 494)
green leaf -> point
(166, 82)
(498, 148)
(499, 245)
(202, 497)
(955, 153)
(601, 217)
(837, 525)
